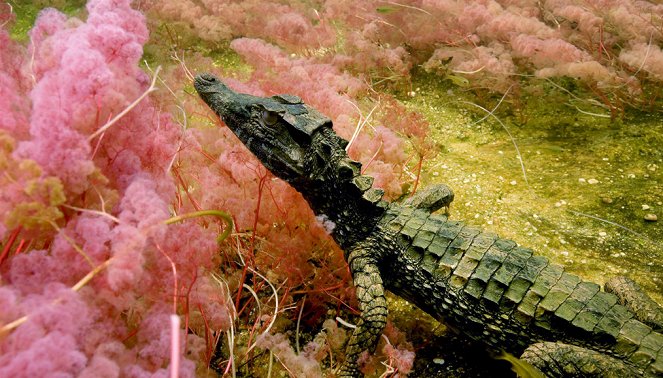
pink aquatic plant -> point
(89, 208)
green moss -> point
(27, 12)
(590, 178)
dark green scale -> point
(411, 228)
(630, 336)
(420, 243)
(596, 308)
(435, 248)
(613, 320)
(515, 295)
(456, 251)
(502, 276)
(576, 301)
(490, 262)
(476, 251)
(555, 297)
(443, 239)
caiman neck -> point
(352, 207)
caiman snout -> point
(206, 78)
(207, 82)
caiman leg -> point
(373, 306)
(635, 299)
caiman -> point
(490, 289)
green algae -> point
(26, 13)
(590, 180)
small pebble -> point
(603, 233)
(592, 181)
(651, 217)
(513, 182)
(582, 180)
(607, 200)
(645, 207)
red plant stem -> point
(10, 242)
(278, 208)
(261, 185)
(19, 248)
(208, 342)
(186, 190)
(187, 300)
(416, 181)
(324, 289)
(130, 335)
(252, 333)
(206, 155)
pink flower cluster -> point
(75, 202)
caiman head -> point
(278, 129)
(293, 140)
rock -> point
(607, 200)
(592, 181)
(651, 217)
(645, 207)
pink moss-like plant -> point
(85, 212)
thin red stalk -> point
(278, 208)
(10, 242)
(207, 155)
(249, 259)
(19, 248)
(130, 335)
(208, 343)
(324, 289)
(416, 181)
(187, 299)
(186, 190)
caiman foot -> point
(432, 198)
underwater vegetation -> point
(139, 238)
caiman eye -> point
(269, 118)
